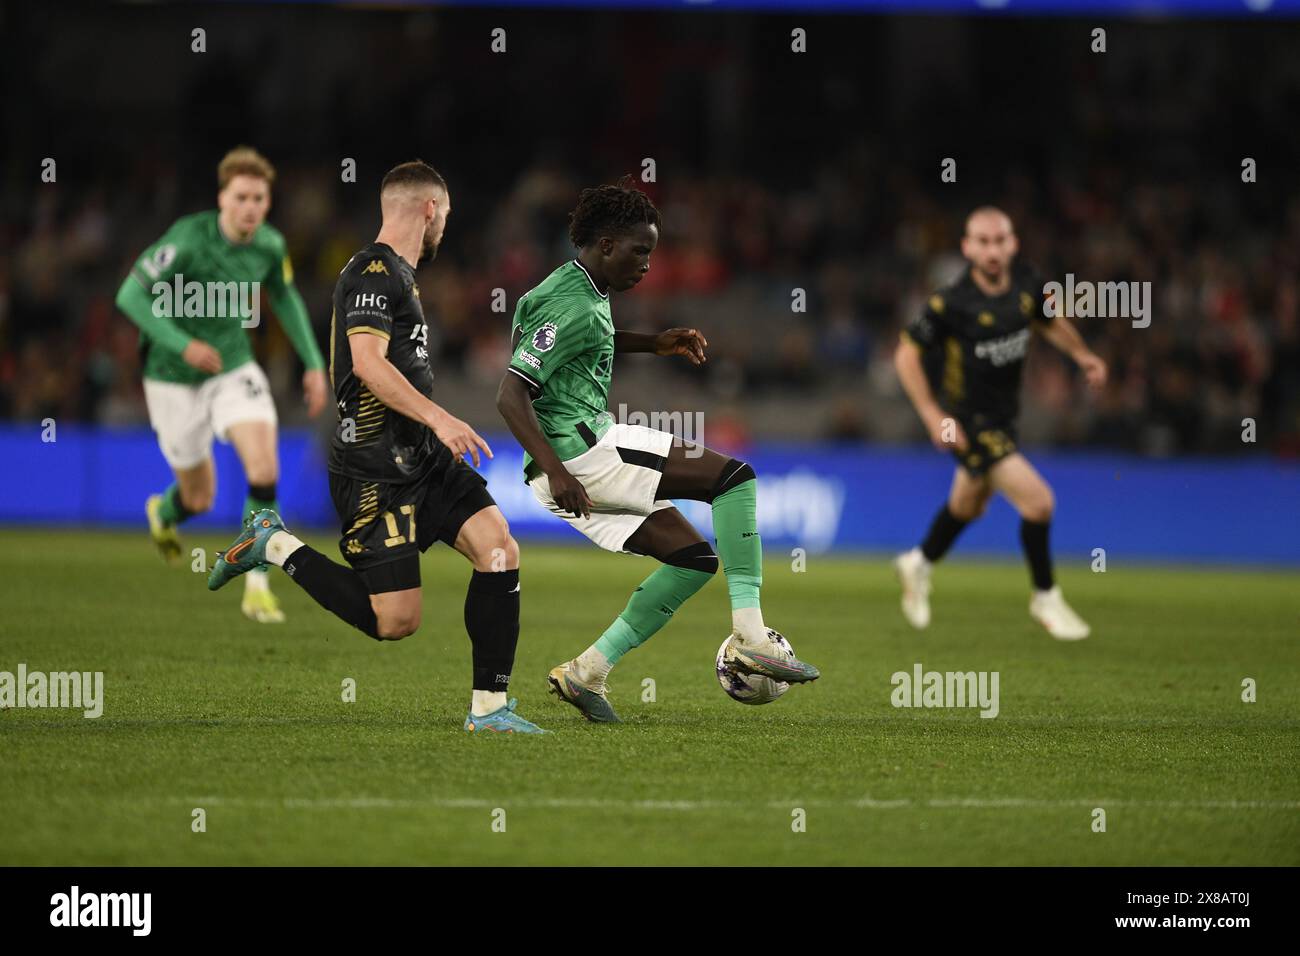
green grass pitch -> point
(206, 710)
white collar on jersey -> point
(603, 295)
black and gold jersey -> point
(975, 345)
(376, 294)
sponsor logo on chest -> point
(1004, 350)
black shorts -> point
(385, 527)
(990, 440)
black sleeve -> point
(928, 327)
(1032, 294)
(369, 295)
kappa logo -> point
(544, 338)
(375, 266)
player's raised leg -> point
(1031, 496)
(492, 620)
(255, 443)
(967, 499)
(688, 563)
(340, 590)
(383, 599)
(730, 486)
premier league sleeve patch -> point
(544, 338)
(160, 261)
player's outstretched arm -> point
(137, 305)
(370, 364)
(1065, 337)
(516, 407)
(687, 342)
(944, 431)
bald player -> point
(972, 339)
(397, 471)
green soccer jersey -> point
(194, 283)
(563, 342)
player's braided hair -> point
(610, 210)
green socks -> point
(171, 510)
(649, 609)
(735, 525)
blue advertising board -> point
(817, 497)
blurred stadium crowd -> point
(1113, 176)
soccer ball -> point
(750, 688)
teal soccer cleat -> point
(248, 551)
(501, 721)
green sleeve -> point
(137, 303)
(158, 263)
(549, 337)
(291, 312)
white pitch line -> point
(583, 803)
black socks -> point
(334, 587)
(491, 610)
(1033, 538)
(492, 621)
(943, 532)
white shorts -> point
(187, 416)
(621, 475)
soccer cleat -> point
(1049, 609)
(592, 704)
(769, 659)
(164, 535)
(503, 720)
(914, 574)
(262, 606)
(248, 551)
